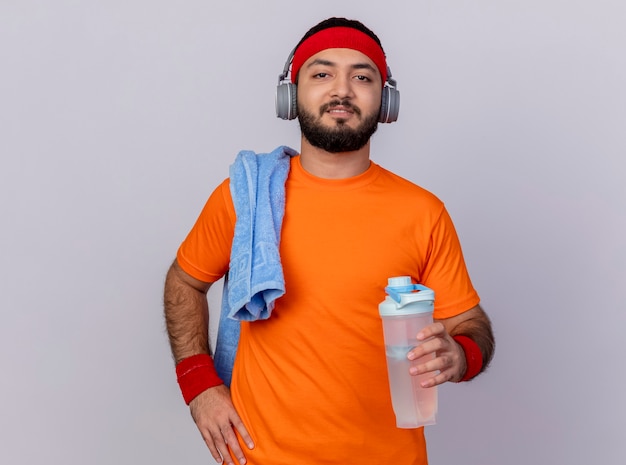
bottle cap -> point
(402, 293)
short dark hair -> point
(340, 22)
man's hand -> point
(449, 357)
(217, 420)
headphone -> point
(286, 92)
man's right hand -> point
(217, 420)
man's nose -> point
(342, 87)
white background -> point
(118, 118)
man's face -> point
(339, 95)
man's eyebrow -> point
(363, 66)
(319, 61)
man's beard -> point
(340, 138)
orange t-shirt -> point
(310, 383)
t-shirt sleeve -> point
(205, 252)
(446, 272)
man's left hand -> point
(448, 363)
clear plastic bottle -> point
(405, 311)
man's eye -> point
(321, 75)
(362, 78)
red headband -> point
(339, 37)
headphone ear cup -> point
(286, 102)
(390, 105)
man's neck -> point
(329, 165)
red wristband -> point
(195, 375)
(473, 356)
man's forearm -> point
(186, 314)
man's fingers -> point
(243, 432)
(435, 329)
(436, 364)
(441, 378)
(428, 347)
(230, 438)
(218, 441)
(210, 441)
(446, 365)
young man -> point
(309, 383)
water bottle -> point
(407, 309)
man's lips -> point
(340, 110)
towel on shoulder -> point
(255, 277)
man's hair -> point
(340, 22)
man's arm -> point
(187, 323)
(186, 313)
(449, 355)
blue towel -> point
(255, 277)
